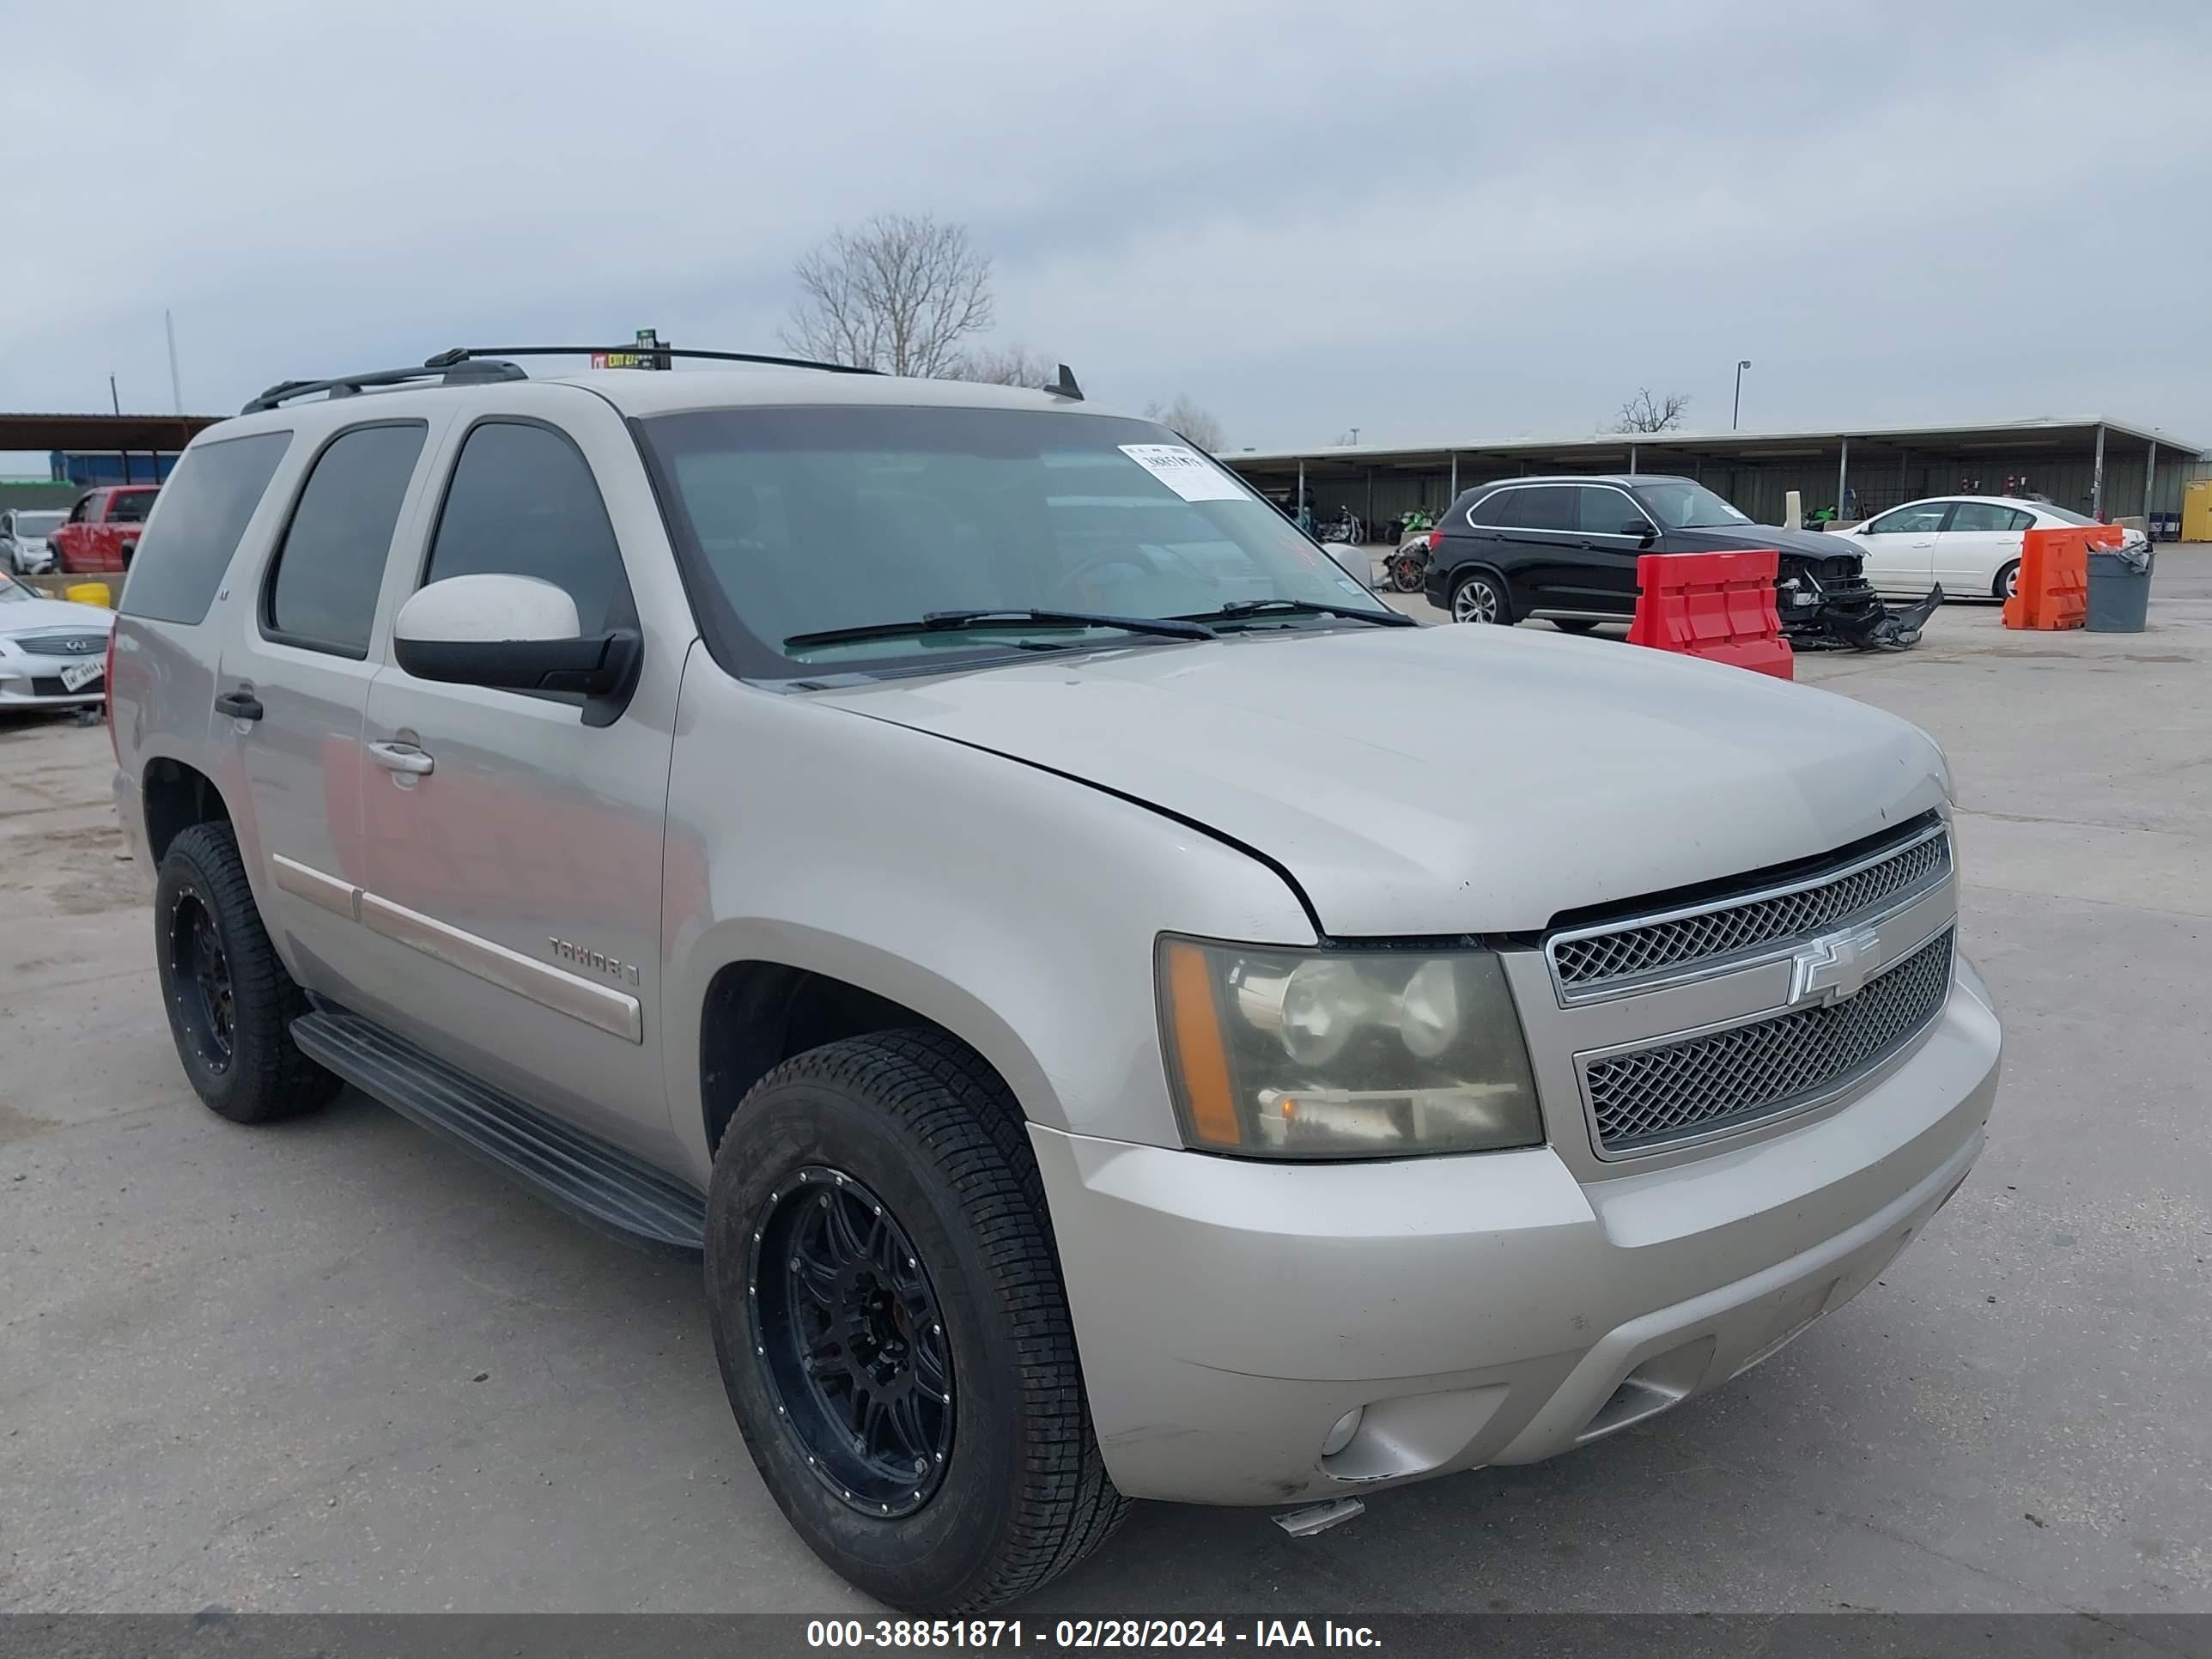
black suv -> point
(1564, 550)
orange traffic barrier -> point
(1716, 605)
(2053, 589)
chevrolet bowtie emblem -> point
(1832, 967)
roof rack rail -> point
(475, 365)
(460, 355)
(473, 371)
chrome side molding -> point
(615, 1012)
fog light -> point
(1339, 1437)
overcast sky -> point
(1417, 219)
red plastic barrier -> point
(1716, 605)
(2053, 589)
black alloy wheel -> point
(853, 1342)
(230, 1002)
(207, 1003)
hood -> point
(1816, 543)
(1451, 779)
(38, 615)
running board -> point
(592, 1179)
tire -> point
(1407, 572)
(2008, 579)
(1573, 624)
(232, 1024)
(1480, 597)
(915, 1124)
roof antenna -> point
(1065, 386)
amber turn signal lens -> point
(1200, 1054)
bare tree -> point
(899, 293)
(1645, 413)
(1010, 365)
(1194, 425)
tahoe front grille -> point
(1602, 960)
(1642, 1101)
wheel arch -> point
(175, 796)
(766, 999)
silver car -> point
(25, 547)
(53, 654)
(925, 847)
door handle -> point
(403, 757)
(240, 705)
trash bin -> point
(2119, 587)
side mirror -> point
(1641, 529)
(514, 634)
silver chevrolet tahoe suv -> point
(932, 850)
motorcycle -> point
(1407, 569)
(1345, 527)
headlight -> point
(1344, 1054)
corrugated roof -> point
(1976, 435)
(95, 433)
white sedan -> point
(1969, 543)
(52, 653)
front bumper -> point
(28, 683)
(1482, 1309)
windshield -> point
(37, 526)
(1681, 505)
(2063, 515)
(809, 520)
(12, 592)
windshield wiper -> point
(938, 622)
(1236, 610)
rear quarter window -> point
(205, 508)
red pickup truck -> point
(102, 531)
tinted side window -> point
(204, 508)
(322, 592)
(1609, 513)
(129, 507)
(1910, 520)
(1988, 515)
(1492, 508)
(1542, 507)
(523, 503)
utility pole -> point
(113, 402)
(176, 384)
(1733, 413)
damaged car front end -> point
(1827, 603)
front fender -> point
(1016, 908)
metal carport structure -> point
(126, 435)
(2096, 465)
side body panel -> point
(1967, 561)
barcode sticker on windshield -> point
(1184, 471)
